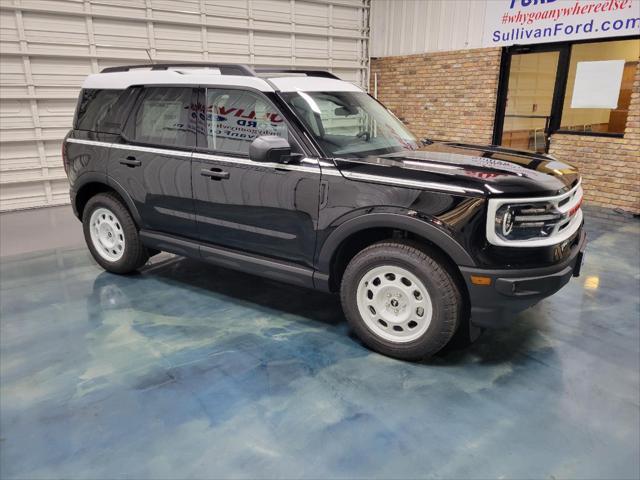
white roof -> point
(313, 84)
(212, 76)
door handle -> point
(214, 173)
(131, 162)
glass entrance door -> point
(530, 94)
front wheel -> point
(112, 235)
(401, 300)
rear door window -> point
(237, 117)
(165, 116)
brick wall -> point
(452, 95)
(442, 95)
(610, 167)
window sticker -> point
(160, 116)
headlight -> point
(526, 221)
(534, 222)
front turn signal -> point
(480, 280)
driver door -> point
(261, 208)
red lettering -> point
(224, 111)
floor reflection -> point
(187, 370)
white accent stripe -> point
(245, 161)
(136, 148)
(331, 171)
(312, 168)
(409, 183)
(88, 142)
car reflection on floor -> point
(188, 370)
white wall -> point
(402, 27)
(49, 46)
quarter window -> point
(237, 117)
(166, 117)
(104, 110)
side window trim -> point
(127, 133)
(202, 140)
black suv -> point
(302, 177)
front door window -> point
(235, 118)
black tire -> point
(134, 253)
(446, 298)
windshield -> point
(351, 124)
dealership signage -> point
(517, 22)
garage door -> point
(49, 46)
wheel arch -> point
(354, 235)
(93, 183)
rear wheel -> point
(401, 300)
(112, 235)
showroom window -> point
(599, 84)
(581, 88)
(237, 117)
(164, 117)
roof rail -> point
(225, 68)
(308, 73)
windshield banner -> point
(517, 22)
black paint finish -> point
(257, 209)
(292, 222)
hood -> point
(494, 171)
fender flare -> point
(127, 199)
(102, 178)
(418, 226)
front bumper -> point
(511, 291)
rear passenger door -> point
(267, 209)
(153, 160)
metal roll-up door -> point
(49, 46)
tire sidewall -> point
(434, 281)
(130, 258)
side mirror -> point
(270, 148)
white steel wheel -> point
(107, 234)
(394, 304)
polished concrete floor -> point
(191, 371)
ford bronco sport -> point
(302, 177)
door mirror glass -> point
(270, 148)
